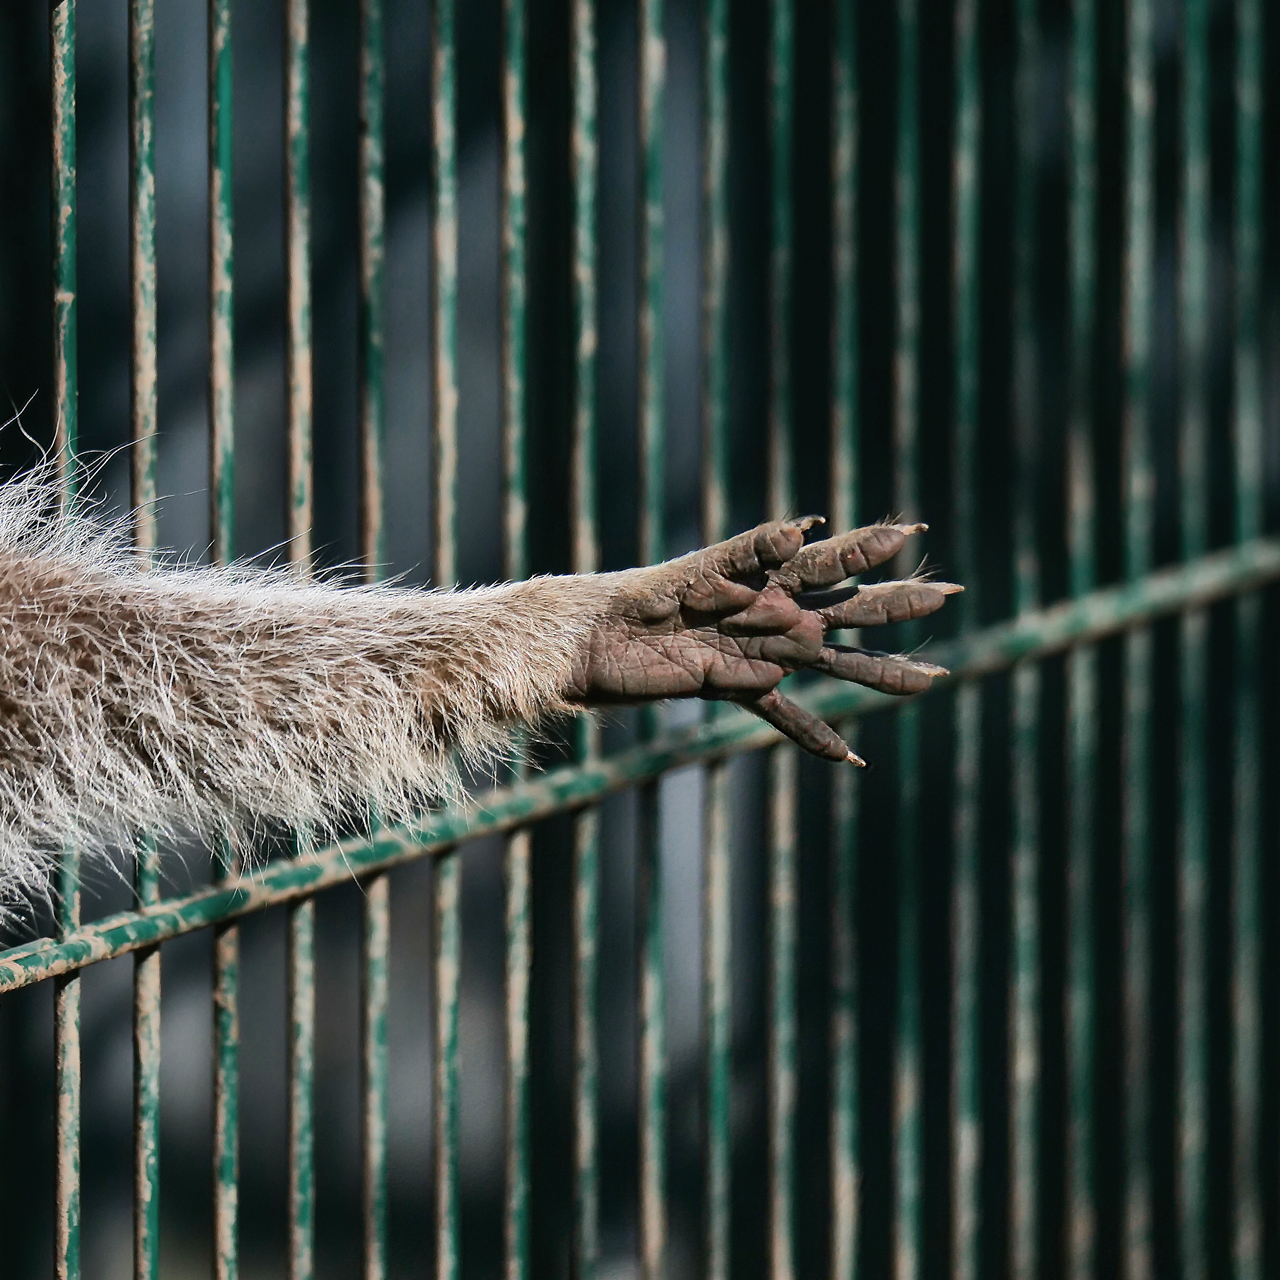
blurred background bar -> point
(966, 916)
(1138, 484)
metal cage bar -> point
(1246, 852)
(717, 986)
(517, 860)
(1082, 663)
(908, 1101)
(651, 362)
(66, 995)
(1024, 871)
(1138, 482)
(444, 441)
(584, 164)
(966, 920)
(1193, 869)
(846, 460)
(782, 823)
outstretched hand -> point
(730, 621)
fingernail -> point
(858, 760)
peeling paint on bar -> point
(375, 941)
(66, 997)
(444, 453)
(518, 856)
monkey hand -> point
(730, 621)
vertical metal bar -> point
(376, 923)
(783, 762)
(66, 999)
(1024, 988)
(448, 886)
(586, 553)
(298, 350)
(1082, 664)
(374, 953)
(519, 916)
(717, 983)
(908, 1102)
(1246, 966)
(298, 515)
(652, 366)
(1193, 868)
(1139, 485)
(846, 1154)
(143, 389)
(226, 946)
(966, 922)
(444, 439)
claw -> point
(856, 759)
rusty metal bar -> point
(66, 996)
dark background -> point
(26, 1126)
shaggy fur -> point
(216, 700)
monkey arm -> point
(216, 700)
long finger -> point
(885, 672)
(882, 602)
(767, 546)
(823, 564)
(804, 729)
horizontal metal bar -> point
(1103, 613)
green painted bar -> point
(444, 448)
(908, 1101)
(1024, 730)
(226, 943)
(1082, 663)
(845, 1130)
(1106, 612)
(66, 1000)
(652, 1065)
(586, 555)
(966, 920)
(376, 911)
(300, 961)
(297, 221)
(717, 982)
(1246, 854)
(518, 856)
(221, 315)
(1138, 501)
(143, 389)
(782, 831)
(375, 945)
(1193, 851)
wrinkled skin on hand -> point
(730, 621)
